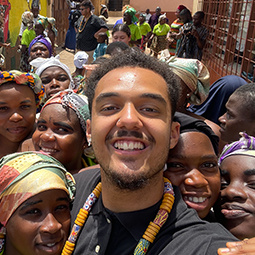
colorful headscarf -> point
(69, 99)
(194, 74)
(32, 80)
(245, 146)
(26, 174)
(52, 21)
(131, 12)
(40, 39)
(43, 21)
(27, 18)
(43, 63)
(181, 7)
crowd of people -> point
(135, 152)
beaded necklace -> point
(148, 236)
(85, 22)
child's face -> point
(101, 39)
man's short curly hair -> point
(134, 58)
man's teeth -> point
(197, 199)
(129, 145)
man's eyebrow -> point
(154, 96)
(105, 95)
(249, 172)
(144, 95)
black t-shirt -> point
(85, 39)
(108, 233)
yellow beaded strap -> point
(150, 233)
(80, 220)
(160, 219)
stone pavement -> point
(66, 57)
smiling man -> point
(133, 209)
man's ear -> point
(175, 134)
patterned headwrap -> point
(131, 11)
(26, 174)
(32, 80)
(27, 18)
(52, 21)
(40, 39)
(43, 63)
(194, 74)
(181, 7)
(78, 103)
(43, 21)
(245, 146)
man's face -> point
(158, 10)
(192, 166)
(235, 120)
(196, 19)
(35, 11)
(130, 126)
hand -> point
(245, 247)
(195, 33)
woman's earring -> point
(188, 95)
(89, 142)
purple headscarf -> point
(245, 146)
(40, 39)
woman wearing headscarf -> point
(39, 47)
(55, 75)
(194, 80)
(27, 36)
(130, 19)
(20, 97)
(220, 91)
(51, 31)
(158, 37)
(35, 196)
(61, 131)
(175, 27)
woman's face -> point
(59, 134)
(39, 29)
(55, 79)
(40, 225)
(120, 36)
(192, 165)
(17, 112)
(162, 21)
(39, 50)
(177, 13)
(238, 195)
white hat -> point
(80, 58)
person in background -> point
(80, 59)
(147, 15)
(52, 32)
(74, 15)
(219, 92)
(145, 30)
(20, 96)
(158, 40)
(36, 15)
(153, 21)
(115, 48)
(55, 75)
(39, 47)
(130, 19)
(36, 193)
(240, 113)
(192, 165)
(102, 45)
(175, 27)
(61, 131)
(121, 33)
(89, 26)
(28, 35)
